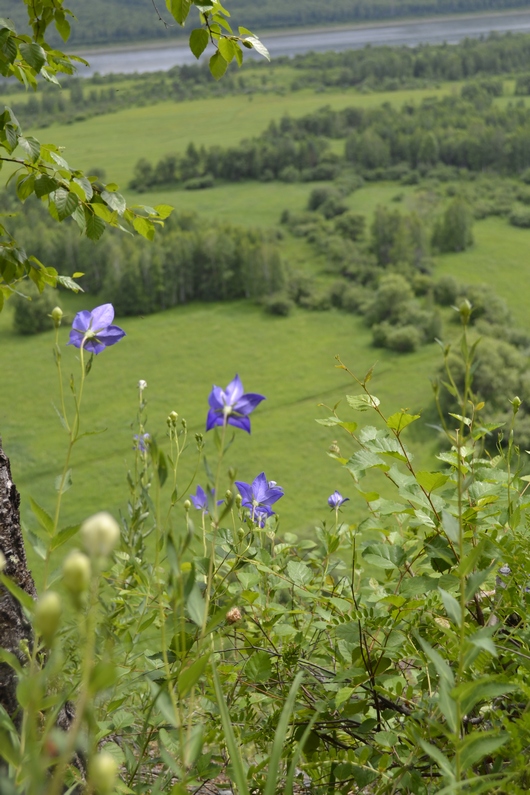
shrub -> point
(199, 183)
(446, 290)
(33, 309)
(520, 217)
(422, 284)
(351, 225)
(289, 174)
(403, 339)
(332, 207)
(319, 196)
(279, 304)
(319, 301)
(453, 232)
(354, 299)
(393, 293)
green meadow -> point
(182, 352)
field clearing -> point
(500, 257)
(115, 142)
(180, 353)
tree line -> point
(467, 132)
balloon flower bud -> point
(48, 612)
(77, 572)
(239, 500)
(100, 534)
(228, 495)
(57, 316)
(187, 505)
(516, 404)
(172, 419)
(103, 771)
(465, 311)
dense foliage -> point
(467, 132)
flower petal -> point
(215, 399)
(245, 489)
(238, 422)
(111, 335)
(234, 391)
(94, 346)
(102, 316)
(213, 419)
(260, 487)
(82, 321)
(248, 402)
(76, 338)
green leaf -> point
(299, 573)
(485, 689)
(94, 226)
(179, 9)
(42, 516)
(227, 49)
(399, 421)
(85, 186)
(144, 227)
(218, 65)
(36, 544)
(452, 607)
(442, 668)
(362, 402)
(476, 746)
(386, 556)
(451, 527)
(280, 734)
(13, 662)
(66, 281)
(19, 594)
(442, 761)
(257, 45)
(61, 486)
(65, 202)
(259, 667)
(33, 54)
(31, 146)
(238, 768)
(103, 676)
(431, 480)
(64, 535)
(189, 677)
(62, 25)
(115, 201)
(45, 185)
(196, 605)
(162, 468)
(448, 706)
(198, 41)
(164, 210)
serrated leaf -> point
(431, 480)
(94, 226)
(398, 422)
(42, 516)
(65, 203)
(33, 54)
(299, 573)
(259, 667)
(115, 201)
(31, 146)
(164, 210)
(362, 402)
(218, 65)
(45, 185)
(198, 41)
(86, 186)
(64, 535)
(144, 227)
(66, 281)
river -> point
(433, 31)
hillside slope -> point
(122, 21)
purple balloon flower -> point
(200, 499)
(230, 406)
(336, 499)
(258, 496)
(94, 330)
(141, 440)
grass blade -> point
(238, 767)
(279, 736)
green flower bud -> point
(3, 561)
(77, 572)
(239, 500)
(187, 505)
(57, 316)
(100, 534)
(48, 612)
(172, 418)
(465, 311)
(516, 403)
(232, 473)
(102, 772)
(228, 495)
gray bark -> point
(14, 627)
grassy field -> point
(115, 142)
(180, 354)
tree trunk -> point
(14, 627)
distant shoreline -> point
(181, 41)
